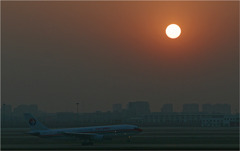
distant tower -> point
(77, 106)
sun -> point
(173, 31)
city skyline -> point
(139, 112)
(165, 108)
(84, 107)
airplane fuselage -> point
(102, 131)
(87, 134)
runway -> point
(151, 138)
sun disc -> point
(173, 31)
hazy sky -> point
(57, 53)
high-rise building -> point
(117, 107)
(222, 108)
(216, 108)
(190, 108)
(138, 108)
(167, 108)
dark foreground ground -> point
(151, 138)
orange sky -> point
(110, 52)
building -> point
(138, 108)
(231, 120)
(190, 108)
(167, 108)
(213, 121)
(172, 120)
(216, 108)
(222, 108)
(117, 108)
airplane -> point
(88, 134)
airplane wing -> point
(84, 135)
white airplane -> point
(87, 134)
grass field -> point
(151, 138)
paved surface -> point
(151, 138)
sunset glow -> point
(173, 31)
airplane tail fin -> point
(34, 123)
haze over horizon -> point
(55, 54)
